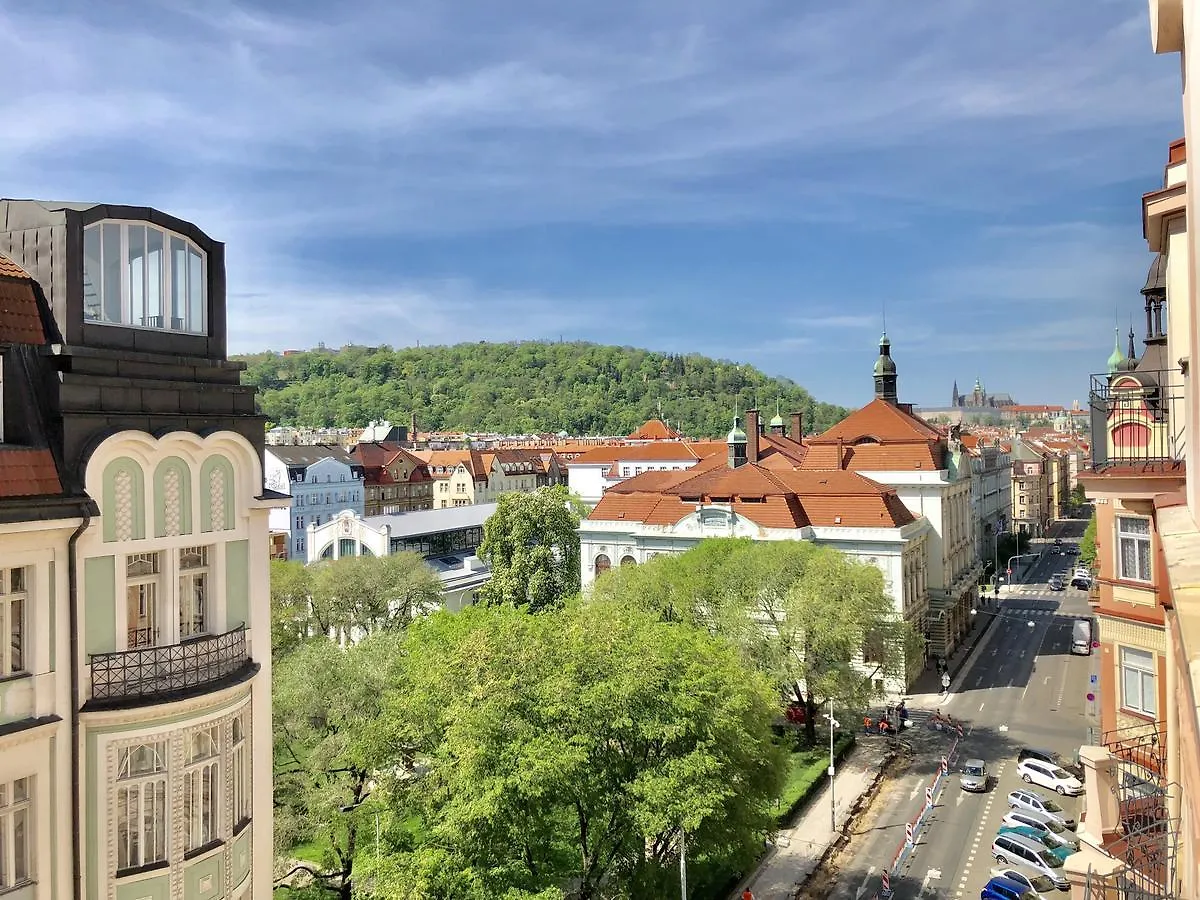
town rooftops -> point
(655, 430)
(879, 437)
(305, 455)
(769, 497)
(433, 521)
(659, 451)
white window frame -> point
(16, 828)
(240, 763)
(141, 836)
(195, 592)
(152, 636)
(202, 789)
(1143, 549)
(166, 280)
(14, 611)
(1140, 674)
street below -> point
(1021, 687)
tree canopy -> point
(524, 387)
(532, 544)
(1087, 544)
(817, 622)
(570, 749)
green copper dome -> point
(885, 365)
(736, 435)
(1117, 357)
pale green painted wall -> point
(52, 616)
(109, 494)
(100, 604)
(205, 878)
(240, 857)
(157, 887)
(185, 496)
(237, 582)
(221, 464)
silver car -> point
(1017, 817)
(1032, 800)
(974, 776)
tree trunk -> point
(810, 718)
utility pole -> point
(833, 724)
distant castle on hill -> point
(979, 398)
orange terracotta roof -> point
(20, 319)
(896, 457)
(660, 450)
(882, 420)
(655, 430)
(375, 453)
(771, 498)
(26, 472)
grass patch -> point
(807, 773)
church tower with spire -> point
(885, 372)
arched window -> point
(218, 500)
(1130, 436)
(628, 560)
(347, 547)
(327, 553)
(602, 565)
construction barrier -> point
(908, 833)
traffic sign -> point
(1092, 679)
(1091, 697)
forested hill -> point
(523, 387)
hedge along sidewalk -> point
(799, 849)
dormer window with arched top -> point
(138, 275)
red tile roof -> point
(20, 320)
(661, 450)
(879, 437)
(655, 430)
(771, 498)
(27, 472)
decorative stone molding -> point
(216, 498)
(123, 509)
(172, 490)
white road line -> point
(1046, 680)
(916, 790)
(863, 887)
(981, 707)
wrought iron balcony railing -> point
(1136, 418)
(147, 673)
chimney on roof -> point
(841, 454)
(753, 430)
(797, 426)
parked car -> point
(1032, 800)
(1040, 885)
(974, 776)
(1005, 889)
(1042, 822)
(1058, 542)
(1081, 637)
(1042, 837)
(1048, 775)
(1083, 582)
(1054, 759)
(1013, 848)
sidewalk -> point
(926, 691)
(799, 850)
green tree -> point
(531, 542)
(1087, 544)
(805, 616)
(326, 701)
(571, 749)
(291, 590)
(1078, 495)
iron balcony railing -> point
(1136, 418)
(149, 672)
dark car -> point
(1054, 759)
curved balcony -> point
(153, 674)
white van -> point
(1081, 637)
(1015, 848)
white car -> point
(1035, 802)
(1042, 886)
(1034, 771)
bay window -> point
(136, 274)
(142, 805)
(201, 806)
(16, 832)
(13, 607)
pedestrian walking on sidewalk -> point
(747, 894)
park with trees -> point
(543, 744)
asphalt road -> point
(1021, 688)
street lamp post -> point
(833, 724)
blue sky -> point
(756, 181)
